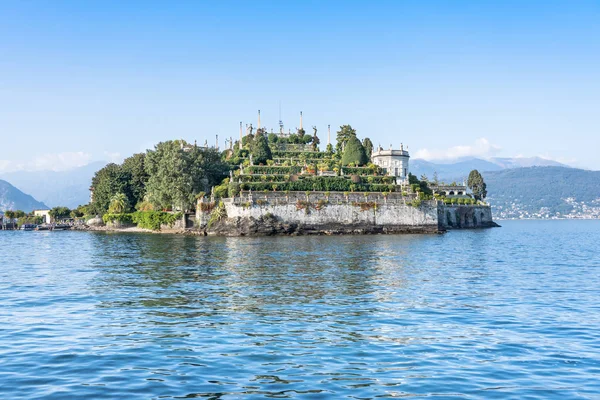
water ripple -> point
(502, 313)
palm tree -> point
(118, 204)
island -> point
(272, 183)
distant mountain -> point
(544, 192)
(520, 162)
(12, 198)
(459, 170)
(450, 172)
(65, 188)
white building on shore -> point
(393, 162)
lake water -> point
(512, 312)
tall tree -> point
(107, 182)
(368, 145)
(136, 177)
(477, 185)
(178, 171)
(261, 152)
(354, 153)
(343, 135)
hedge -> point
(272, 170)
(124, 218)
(318, 183)
(154, 219)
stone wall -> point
(465, 217)
(268, 214)
(312, 217)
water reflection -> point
(481, 314)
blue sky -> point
(83, 81)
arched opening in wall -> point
(459, 193)
(458, 220)
(451, 193)
(481, 217)
(474, 220)
(449, 218)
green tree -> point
(58, 213)
(301, 134)
(343, 136)
(107, 182)
(80, 211)
(368, 145)
(477, 185)
(261, 152)
(329, 149)
(136, 177)
(177, 172)
(19, 214)
(9, 214)
(354, 153)
(118, 204)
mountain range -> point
(63, 188)
(458, 170)
(12, 198)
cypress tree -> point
(477, 185)
(261, 152)
(354, 153)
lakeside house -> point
(45, 214)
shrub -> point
(217, 214)
(154, 219)
(123, 218)
(354, 152)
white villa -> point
(393, 162)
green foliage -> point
(415, 203)
(217, 214)
(343, 136)
(354, 152)
(234, 189)
(261, 152)
(144, 206)
(30, 219)
(222, 190)
(274, 170)
(123, 218)
(477, 185)
(368, 145)
(80, 211)
(118, 204)
(154, 219)
(136, 177)
(178, 171)
(107, 182)
(58, 213)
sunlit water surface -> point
(501, 313)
